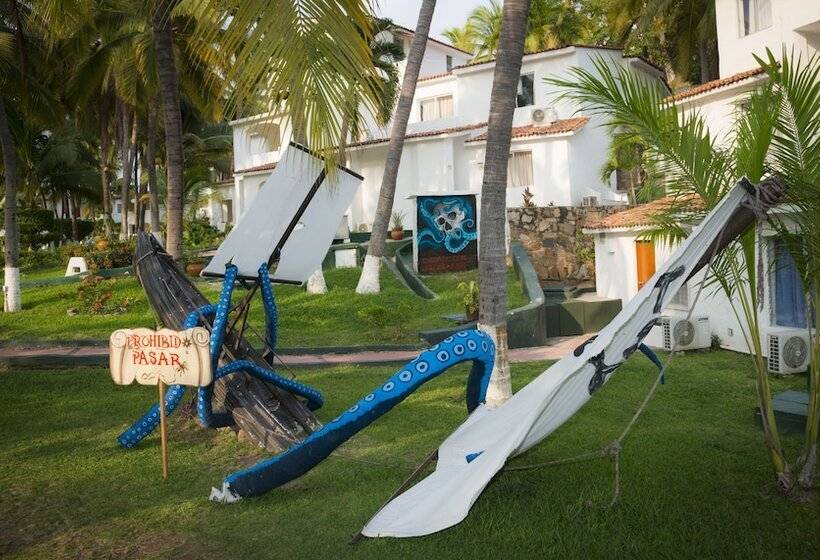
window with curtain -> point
(789, 301)
(526, 91)
(519, 170)
(754, 15)
(445, 106)
(436, 108)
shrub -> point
(118, 254)
(198, 233)
(96, 296)
(36, 259)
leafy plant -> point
(469, 291)
(95, 295)
(397, 219)
(778, 131)
(118, 254)
(199, 233)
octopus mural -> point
(447, 233)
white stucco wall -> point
(794, 22)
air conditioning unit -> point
(789, 350)
(680, 333)
(589, 201)
(544, 115)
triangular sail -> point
(294, 216)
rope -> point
(613, 449)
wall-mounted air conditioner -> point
(543, 115)
(680, 333)
(789, 350)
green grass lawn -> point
(305, 319)
(695, 479)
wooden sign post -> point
(158, 358)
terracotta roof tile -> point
(264, 167)
(716, 84)
(643, 215)
(428, 133)
(560, 126)
(434, 76)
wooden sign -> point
(148, 357)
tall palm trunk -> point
(369, 280)
(11, 241)
(492, 263)
(151, 165)
(104, 153)
(128, 137)
(169, 94)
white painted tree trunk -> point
(500, 388)
(369, 280)
(11, 289)
(316, 283)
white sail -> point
(297, 210)
(479, 448)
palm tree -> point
(550, 24)
(172, 119)
(463, 38)
(369, 280)
(778, 131)
(11, 241)
(492, 266)
(385, 54)
(686, 31)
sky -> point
(449, 13)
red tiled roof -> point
(265, 167)
(434, 76)
(716, 84)
(428, 133)
(643, 215)
(413, 32)
(560, 126)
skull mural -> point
(447, 223)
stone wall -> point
(552, 237)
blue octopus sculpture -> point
(473, 346)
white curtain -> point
(519, 170)
(445, 106)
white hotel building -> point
(556, 153)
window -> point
(263, 138)
(436, 108)
(645, 256)
(754, 15)
(519, 170)
(449, 62)
(227, 211)
(789, 301)
(526, 91)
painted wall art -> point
(446, 233)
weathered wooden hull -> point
(269, 416)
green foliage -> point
(198, 233)
(36, 259)
(469, 293)
(397, 218)
(95, 296)
(118, 254)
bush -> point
(36, 259)
(118, 254)
(198, 233)
(40, 227)
(96, 296)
